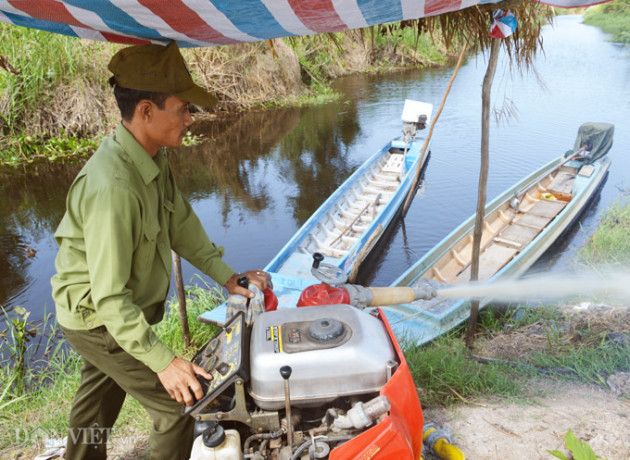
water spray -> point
(544, 286)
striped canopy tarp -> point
(220, 22)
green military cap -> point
(159, 69)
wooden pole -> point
(412, 191)
(483, 181)
(181, 295)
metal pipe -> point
(285, 372)
(263, 436)
(306, 444)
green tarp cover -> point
(598, 137)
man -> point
(124, 214)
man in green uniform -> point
(124, 214)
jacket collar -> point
(146, 166)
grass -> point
(56, 105)
(445, 374)
(610, 244)
(36, 388)
(400, 45)
(52, 101)
(199, 298)
(612, 18)
(589, 363)
(43, 62)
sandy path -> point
(517, 430)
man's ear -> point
(144, 110)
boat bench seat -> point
(520, 234)
(531, 220)
(563, 182)
(490, 262)
(389, 185)
(394, 163)
(373, 191)
(388, 177)
(547, 208)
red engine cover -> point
(399, 434)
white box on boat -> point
(413, 110)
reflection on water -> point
(261, 174)
(30, 207)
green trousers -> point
(108, 374)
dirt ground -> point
(527, 429)
(509, 430)
(517, 430)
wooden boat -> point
(347, 226)
(350, 222)
(519, 227)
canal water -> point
(261, 175)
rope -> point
(428, 138)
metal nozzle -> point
(424, 293)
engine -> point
(334, 351)
(318, 382)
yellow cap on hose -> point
(438, 443)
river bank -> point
(55, 104)
(612, 18)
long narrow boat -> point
(347, 226)
(520, 225)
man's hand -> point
(180, 382)
(258, 277)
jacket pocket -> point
(147, 249)
(169, 205)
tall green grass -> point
(445, 374)
(199, 298)
(610, 244)
(408, 45)
(44, 61)
(612, 18)
(46, 65)
(38, 378)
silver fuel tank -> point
(334, 350)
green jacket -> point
(124, 213)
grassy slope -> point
(57, 103)
(613, 18)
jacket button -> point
(162, 245)
(89, 324)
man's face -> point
(169, 126)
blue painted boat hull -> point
(290, 268)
